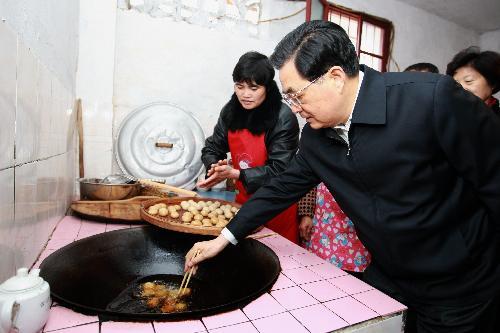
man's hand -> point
(305, 228)
(205, 251)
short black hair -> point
(316, 46)
(487, 63)
(254, 67)
(423, 67)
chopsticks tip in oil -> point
(183, 287)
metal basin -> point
(96, 275)
(91, 188)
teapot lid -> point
(22, 281)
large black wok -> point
(97, 275)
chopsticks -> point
(259, 236)
(183, 287)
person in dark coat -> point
(479, 73)
(412, 159)
(260, 132)
(422, 67)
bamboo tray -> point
(176, 224)
(127, 210)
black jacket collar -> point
(370, 107)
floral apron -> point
(334, 237)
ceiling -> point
(477, 15)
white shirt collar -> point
(347, 125)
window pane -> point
(367, 37)
(378, 40)
(377, 64)
(344, 22)
(371, 61)
(355, 43)
(353, 28)
(365, 59)
(334, 17)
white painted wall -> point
(94, 83)
(419, 35)
(155, 59)
(490, 41)
(38, 59)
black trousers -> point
(482, 317)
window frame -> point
(384, 24)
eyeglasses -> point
(292, 100)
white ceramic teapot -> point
(24, 302)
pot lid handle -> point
(164, 145)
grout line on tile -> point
(65, 328)
(37, 160)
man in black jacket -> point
(412, 158)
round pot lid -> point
(161, 141)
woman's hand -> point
(305, 228)
(205, 251)
(218, 173)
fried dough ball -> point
(153, 210)
(198, 217)
(177, 207)
(228, 214)
(174, 214)
(202, 204)
(234, 209)
(211, 214)
(217, 204)
(209, 203)
(147, 292)
(180, 306)
(192, 210)
(163, 212)
(184, 205)
(153, 302)
(204, 212)
(221, 224)
(162, 205)
(206, 222)
(219, 211)
(168, 307)
(148, 285)
(214, 220)
(197, 223)
(187, 217)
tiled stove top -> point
(310, 295)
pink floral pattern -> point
(334, 237)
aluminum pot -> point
(93, 189)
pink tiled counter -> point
(310, 295)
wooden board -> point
(166, 222)
(129, 209)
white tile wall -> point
(27, 114)
(45, 109)
(8, 57)
(38, 123)
(7, 250)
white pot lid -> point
(139, 151)
(21, 281)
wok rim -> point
(104, 314)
